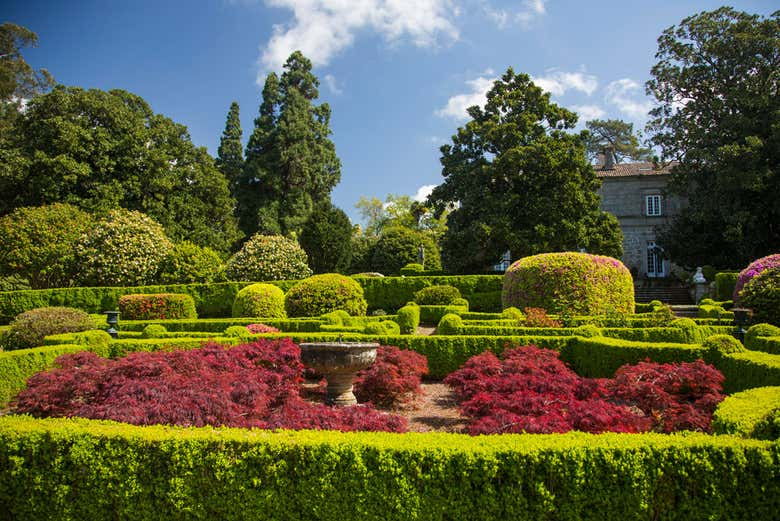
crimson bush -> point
(393, 380)
(157, 306)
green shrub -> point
(398, 246)
(39, 244)
(409, 319)
(320, 294)
(587, 331)
(655, 304)
(724, 284)
(326, 238)
(460, 302)
(29, 328)
(577, 283)
(748, 369)
(126, 248)
(190, 263)
(154, 331)
(750, 414)
(512, 313)
(412, 269)
(439, 295)
(385, 327)
(449, 324)
(237, 332)
(762, 294)
(756, 331)
(159, 306)
(337, 317)
(268, 257)
(713, 311)
(259, 300)
(718, 346)
(689, 329)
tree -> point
(399, 246)
(718, 92)
(326, 239)
(291, 164)
(103, 150)
(522, 183)
(615, 136)
(18, 81)
(400, 210)
(230, 155)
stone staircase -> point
(673, 295)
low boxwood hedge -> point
(749, 369)
(749, 414)
(73, 469)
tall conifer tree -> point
(291, 164)
(230, 155)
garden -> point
(573, 401)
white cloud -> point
(529, 11)
(321, 29)
(423, 192)
(457, 105)
(589, 112)
(558, 82)
(332, 84)
(625, 94)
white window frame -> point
(653, 205)
(655, 262)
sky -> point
(398, 74)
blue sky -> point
(398, 74)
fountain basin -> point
(339, 363)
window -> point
(655, 262)
(653, 205)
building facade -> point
(635, 193)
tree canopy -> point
(326, 239)
(18, 80)
(616, 137)
(291, 164)
(521, 182)
(403, 211)
(103, 150)
(718, 92)
(230, 155)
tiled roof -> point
(634, 169)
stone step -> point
(680, 296)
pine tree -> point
(291, 164)
(230, 155)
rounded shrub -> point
(762, 295)
(154, 331)
(587, 331)
(237, 332)
(259, 300)
(753, 269)
(757, 330)
(157, 306)
(437, 295)
(338, 317)
(29, 328)
(320, 294)
(412, 269)
(398, 246)
(512, 313)
(190, 263)
(461, 302)
(449, 324)
(384, 327)
(570, 282)
(268, 257)
(92, 338)
(720, 345)
(689, 328)
(125, 248)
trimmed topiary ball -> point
(321, 294)
(154, 331)
(762, 295)
(720, 345)
(29, 328)
(575, 283)
(512, 313)
(259, 300)
(190, 263)
(587, 331)
(437, 295)
(398, 246)
(268, 257)
(757, 330)
(753, 269)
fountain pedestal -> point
(339, 362)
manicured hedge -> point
(724, 284)
(73, 469)
(150, 306)
(390, 293)
(767, 344)
(218, 325)
(749, 369)
(748, 413)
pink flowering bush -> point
(261, 328)
(569, 282)
(753, 269)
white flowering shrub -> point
(126, 248)
(268, 257)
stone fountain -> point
(339, 362)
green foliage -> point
(155, 331)
(721, 345)
(449, 324)
(40, 244)
(104, 150)
(437, 295)
(97, 339)
(161, 306)
(189, 263)
(268, 257)
(755, 338)
(710, 311)
(723, 65)
(578, 283)
(240, 332)
(29, 328)
(460, 302)
(431, 314)
(616, 137)
(320, 294)
(336, 317)
(482, 291)
(522, 182)
(125, 248)
(385, 327)
(587, 331)
(398, 246)
(291, 164)
(762, 295)
(327, 239)
(724, 284)
(17, 366)
(409, 318)
(512, 313)
(259, 300)
(748, 369)
(230, 156)
(690, 330)
(662, 315)
(748, 414)
(362, 247)
(412, 269)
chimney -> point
(609, 159)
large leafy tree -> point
(327, 239)
(291, 164)
(102, 150)
(403, 211)
(521, 181)
(718, 90)
(230, 155)
(616, 137)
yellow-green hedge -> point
(79, 469)
(748, 413)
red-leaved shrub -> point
(261, 328)
(393, 380)
(537, 317)
(250, 385)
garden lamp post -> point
(112, 319)
(741, 319)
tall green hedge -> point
(72, 469)
(748, 413)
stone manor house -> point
(635, 194)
